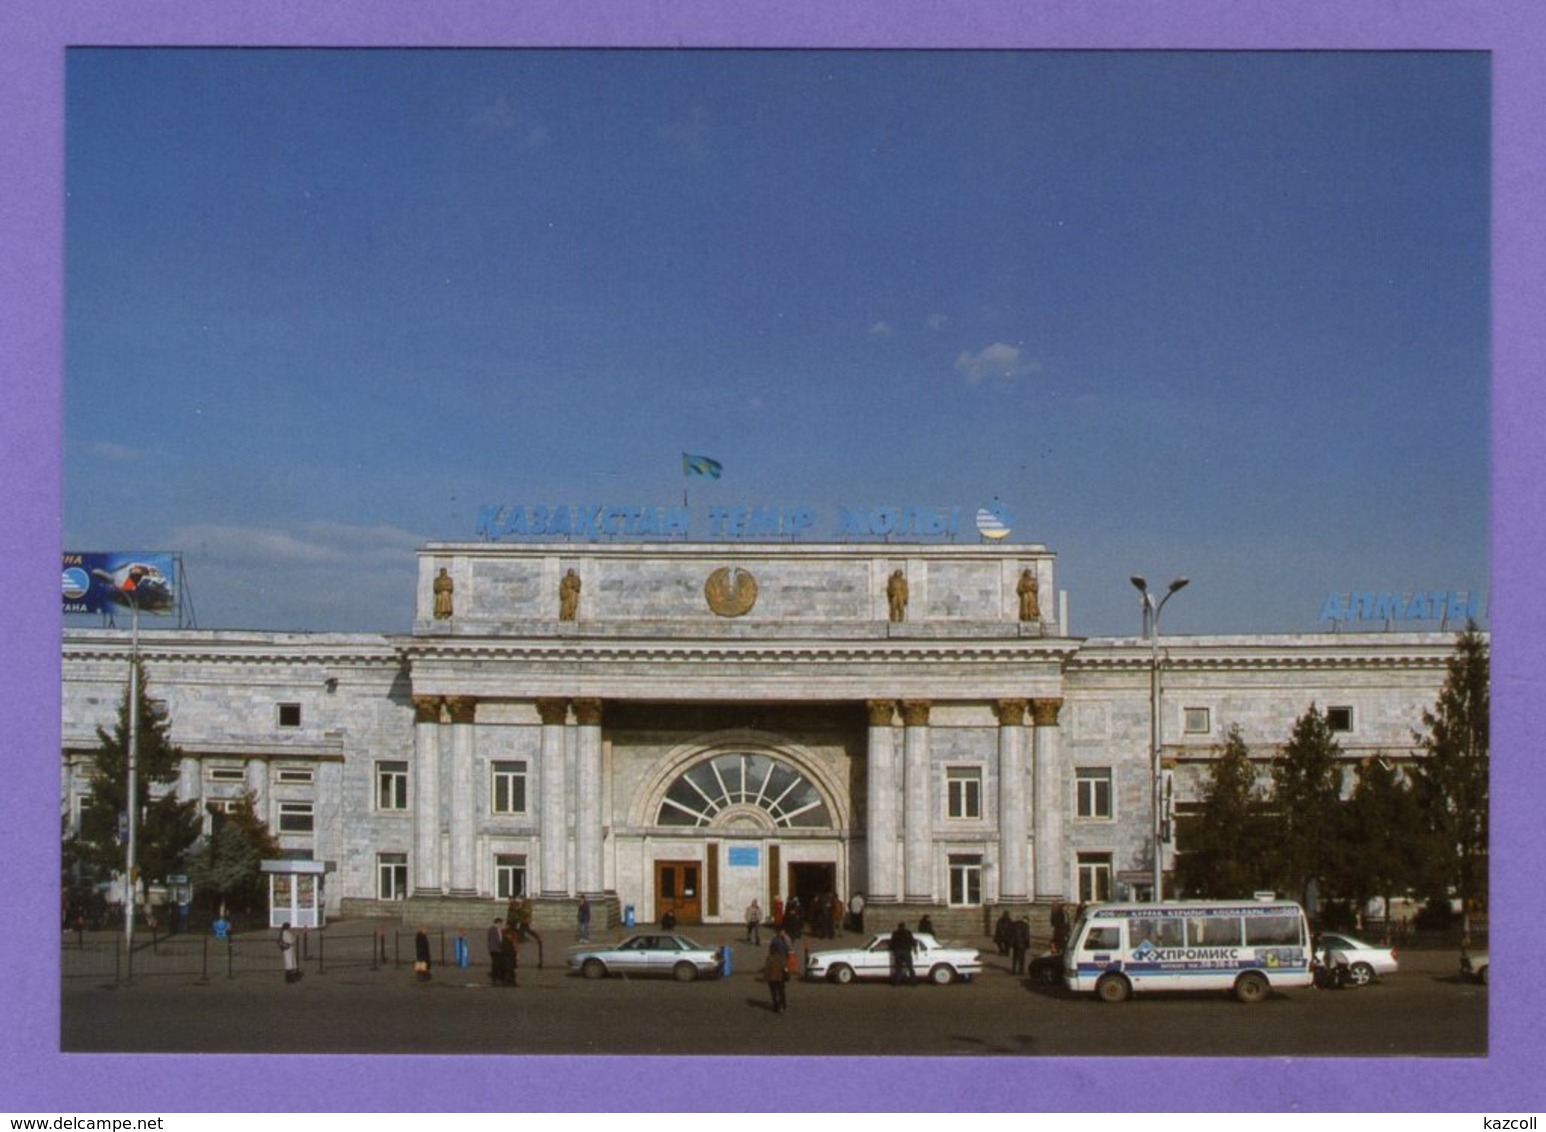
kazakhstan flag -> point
(701, 466)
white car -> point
(648, 953)
(1364, 961)
(940, 963)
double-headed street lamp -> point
(1151, 625)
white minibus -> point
(1249, 947)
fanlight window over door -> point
(737, 781)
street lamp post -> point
(131, 801)
(1151, 624)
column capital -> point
(462, 708)
(880, 712)
(426, 709)
(1044, 712)
(915, 713)
(1011, 713)
(553, 712)
(587, 712)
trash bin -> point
(462, 958)
(627, 915)
(724, 961)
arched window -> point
(737, 782)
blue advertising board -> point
(100, 582)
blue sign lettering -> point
(752, 522)
(1417, 605)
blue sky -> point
(1214, 314)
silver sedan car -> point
(648, 953)
(1364, 961)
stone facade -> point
(705, 724)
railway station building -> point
(662, 724)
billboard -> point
(100, 582)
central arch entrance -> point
(747, 820)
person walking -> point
(496, 952)
(292, 961)
(776, 971)
(754, 923)
(584, 919)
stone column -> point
(1012, 869)
(1051, 865)
(917, 812)
(555, 834)
(588, 850)
(426, 795)
(880, 815)
(464, 798)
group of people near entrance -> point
(1013, 937)
(823, 920)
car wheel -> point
(1252, 987)
(1483, 976)
(942, 975)
(842, 974)
(1361, 974)
(593, 969)
(684, 972)
(1112, 988)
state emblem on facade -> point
(731, 591)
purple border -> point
(34, 34)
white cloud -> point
(116, 453)
(998, 360)
(881, 329)
(937, 322)
(309, 544)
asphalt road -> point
(1424, 1010)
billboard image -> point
(100, 582)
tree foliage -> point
(225, 868)
(166, 828)
(1451, 781)
(1306, 802)
(1222, 848)
(1382, 836)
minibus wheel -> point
(1252, 987)
(1112, 988)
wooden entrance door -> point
(678, 889)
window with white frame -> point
(965, 879)
(297, 817)
(508, 794)
(1092, 786)
(509, 875)
(224, 772)
(1197, 721)
(296, 776)
(391, 786)
(391, 876)
(1094, 877)
(963, 792)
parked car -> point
(1364, 961)
(1473, 965)
(648, 953)
(940, 963)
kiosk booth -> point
(295, 892)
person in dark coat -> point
(902, 945)
(1019, 944)
(1060, 927)
(421, 954)
(496, 952)
(776, 971)
(926, 925)
(1003, 933)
